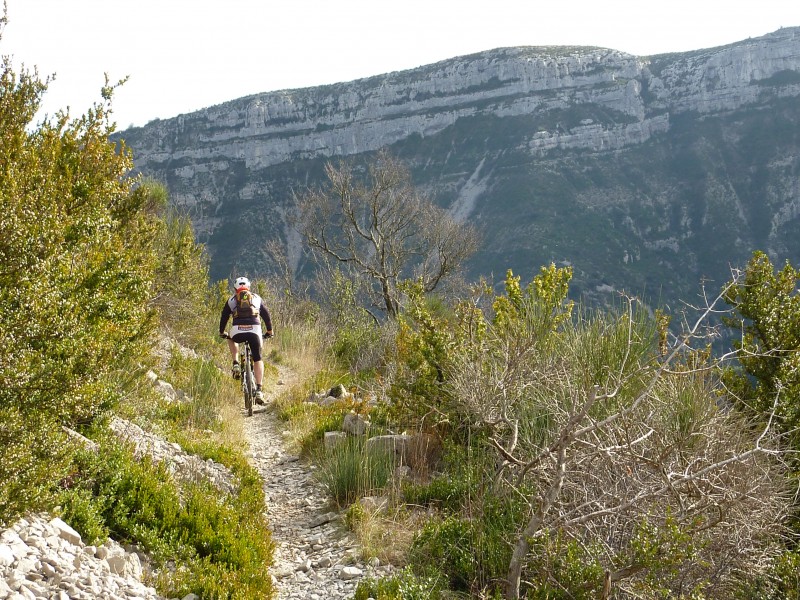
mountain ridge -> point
(525, 143)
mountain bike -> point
(247, 376)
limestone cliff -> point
(526, 141)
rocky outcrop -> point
(43, 557)
(726, 78)
(634, 170)
(181, 465)
(364, 115)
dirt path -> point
(315, 557)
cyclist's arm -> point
(266, 318)
(223, 320)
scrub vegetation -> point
(570, 452)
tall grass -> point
(350, 470)
(302, 337)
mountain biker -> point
(248, 311)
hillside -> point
(648, 174)
(487, 443)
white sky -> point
(184, 55)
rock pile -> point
(182, 465)
(42, 557)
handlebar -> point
(266, 336)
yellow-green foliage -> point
(403, 584)
(767, 315)
(422, 351)
(430, 335)
(542, 303)
(76, 267)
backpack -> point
(245, 304)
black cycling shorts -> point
(253, 339)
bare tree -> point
(383, 229)
(625, 439)
(283, 271)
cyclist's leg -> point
(234, 350)
(233, 345)
(254, 341)
(258, 370)
(258, 363)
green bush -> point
(782, 583)
(30, 455)
(77, 260)
(564, 569)
(449, 546)
(445, 492)
(470, 549)
(786, 583)
(81, 511)
(402, 585)
(222, 543)
(466, 471)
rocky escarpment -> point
(364, 115)
(726, 78)
(643, 173)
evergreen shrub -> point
(221, 542)
(401, 585)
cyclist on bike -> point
(248, 311)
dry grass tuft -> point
(385, 534)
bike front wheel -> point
(248, 387)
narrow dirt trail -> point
(315, 557)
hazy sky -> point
(184, 55)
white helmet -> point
(242, 282)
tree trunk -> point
(532, 528)
(515, 567)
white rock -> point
(6, 555)
(348, 573)
(116, 564)
(66, 532)
(133, 566)
(26, 593)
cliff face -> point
(613, 163)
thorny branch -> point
(614, 459)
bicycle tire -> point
(248, 382)
(252, 377)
